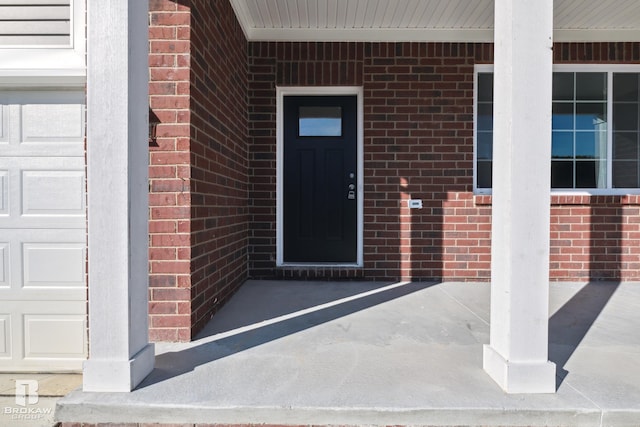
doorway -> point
(320, 179)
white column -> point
(120, 355)
(517, 356)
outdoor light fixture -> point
(154, 121)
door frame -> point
(281, 92)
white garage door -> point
(42, 231)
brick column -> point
(170, 173)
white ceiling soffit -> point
(424, 20)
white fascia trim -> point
(473, 35)
(369, 35)
(244, 16)
(55, 61)
(596, 35)
(44, 81)
(598, 68)
(281, 92)
(464, 35)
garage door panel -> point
(52, 123)
(53, 193)
(5, 336)
(54, 336)
(53, 265)
(4, 192)
(4, 125)
(40, 336)
(43, 289)
(43, 193)
(4, 265)
(44, 264)
(65, 149)
(30, 259)
(51, 295)
(41, 125)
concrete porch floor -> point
(311, 353)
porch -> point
(354, 353)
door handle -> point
(351, 195)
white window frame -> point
(610, 69)
(281, 92)
(55, 66)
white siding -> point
(35, 22)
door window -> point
(319, 121)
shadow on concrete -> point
(172, 364)
(571, 323)
(261, 301)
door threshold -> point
(320, 264)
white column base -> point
(519, 377)
(116, 375)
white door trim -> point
(281, 92)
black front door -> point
(320, 179)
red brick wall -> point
(212, 218)
(169, 173)
(219, 162)
(418, 143)
(288, 64)
(595, 237)
(198, 166)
